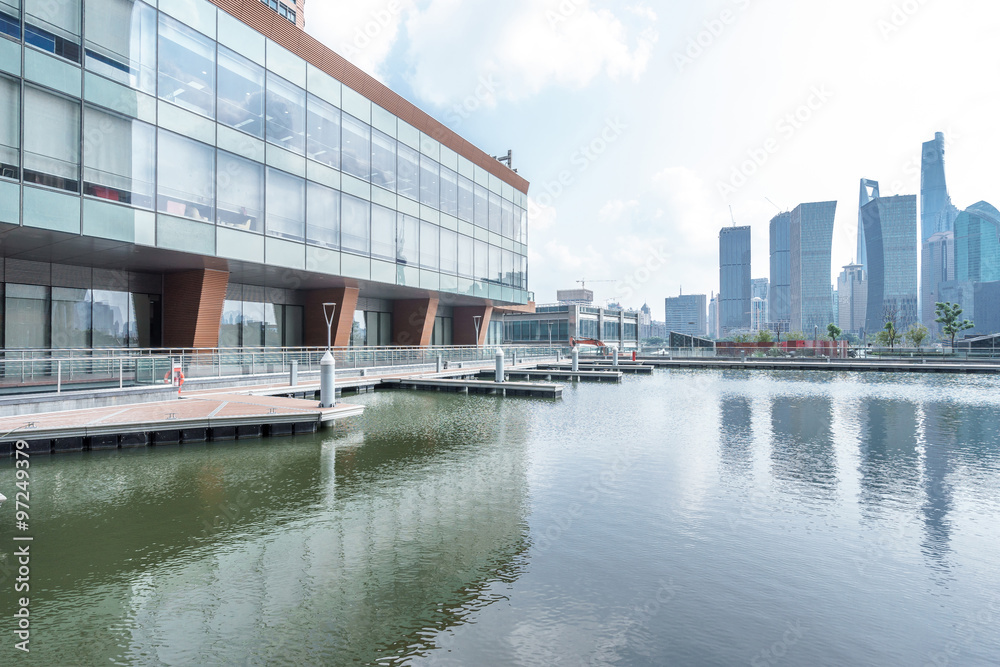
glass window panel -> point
(232, 324)
(71, 318)
(371, 327)
(324, 132)
(186, 67)
(121, 42)
(481, 196)
(496, 266)
(10, 114)
(449, 251)
(286, 114)
(253, 324)
(355, 224)
(293, 326)
(482, 261)
(429, 252)
(118, 158)
(466, 267)
(356, 150)
(186, 177)
(10, 18)
(383, 233)
(322, 216)
(241, 93)
(507, 216)
(407, 172)
(449, 192)
(429, 175)
(507, 274)
(495, 217)
(51, 140)
(383, 161)
(407, 239)
(385, 328)
(54, 26)
(521, 221)
(111, 318)
(465, 199)
(359, 329)
(273, 324)
(241, 193)
(286, 205)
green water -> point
(690, 518)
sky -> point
(645, 127)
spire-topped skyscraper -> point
(937, 222)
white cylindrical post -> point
(327, 382)
(499, 373)
(614, 356)
(439, 363)
(576, 359)
(293, 374)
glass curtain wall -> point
(286, 114)
(241, 93)
(121, 42)
(26, 317)
(10, 18)
(118, 158)
(51, 140)
(286, 205)
(10, 114)
(322, 216)
(324, 132)
(186, 72)
(54, 26)
(186, 171)
(241, 193)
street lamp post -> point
(477, 319)
(328, 316)
(550, 335)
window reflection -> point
(383, 161)
(10, 114)
(383, 233)
(51, 140)
(429, 246)
(449, 192)
(495, 217)
(465, 199)
(429, 174)
(186, 67)
(356, 151)
(407, 239)
(241, 93)
(449, 251)
(286, 203)
(466, 267)
(324, 132)
(408, 172)
(241, 193)
(323, 216)
(481, 197)
(121, 42)
(354, 224)
(118, 158)
(186, 172)
(286, 114)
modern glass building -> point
(780, 299)
(734, 280)
(811, 241)
(891, 237)
(937, 214)
(977, 243)
(869, 191)
(560, 322)
(189, 174)
(687, 314)
(937, 266)
(852, 297)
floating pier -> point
(854, 365)
(467, 386)
(189, 419)
(565, 373)
(636, 369)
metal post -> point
(576, 359)
(59, 376)
(327, 381)
(476, 320)
(499, 362)
(293, 379)
(121, 373)
(329, 323)
(438, 363)
(615, 357)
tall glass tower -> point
(811, 249)
(869, 191)
(780, 298)
(890, 225)
(734, 279)
(937, 214)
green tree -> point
(764, 336)
(889, 335)
(795, 335)
(947, 316)
(833, 331)
(917, 334)
(655, 341)
(742, 338)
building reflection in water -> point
(888, 456)
(802, 451)
(736, 436)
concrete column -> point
(413, 321)
(314, 333)
(192, 307)
(499, 365)
(576, 359)
(327, 381)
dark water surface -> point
(691, 518)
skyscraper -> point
(734, 279)
(780, 297)
(686, 314)
(869, 191)
(937, 216)
(852, 297)
(811, 240)
(977, 244)
(713, 317)
(890, 225)
(760, 289)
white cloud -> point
(363, 31)
(523, 45)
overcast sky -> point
(635, 123)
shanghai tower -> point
(937, 222)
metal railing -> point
(30, 371)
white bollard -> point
(614, 355)
(327, 381)
(499, 371)
(439, 363)
(293, 374)
(576, 359)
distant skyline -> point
(640, 125)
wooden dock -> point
(634, 369)
(467, 386)
(558, 373)
(189, 419)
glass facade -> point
(734, 279)
(687, 314)
(780, 290)
(891, 239)
(177, 116)
(811, 239)
(977, 244)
